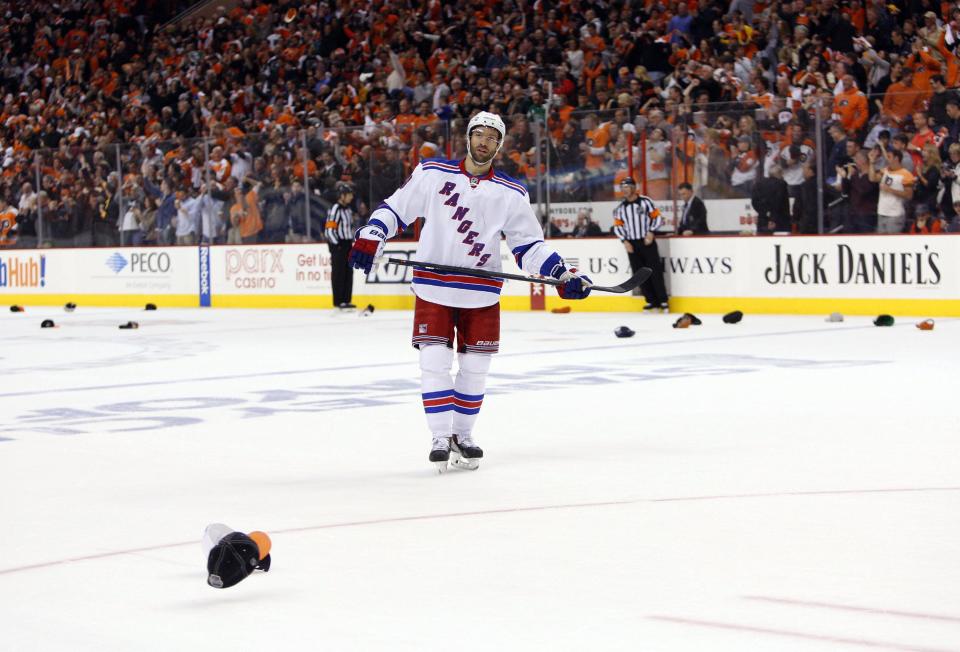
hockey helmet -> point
(486, 119)
(343, 189)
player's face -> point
(483, 143)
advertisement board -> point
(107, 276)
(281, 275)
(882, 267)
(793, 274)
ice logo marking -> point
(116, 262)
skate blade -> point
(467, 463)
(441, 467)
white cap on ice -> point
(212, 535)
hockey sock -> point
(436, 386)
(468, 390)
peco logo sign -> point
(152, 262)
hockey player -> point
(466, 205)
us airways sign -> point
(853, 264)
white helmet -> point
(486, 119)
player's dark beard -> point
(481, 159)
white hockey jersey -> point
(464, 219)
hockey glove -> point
(367, 247)
(575, 286)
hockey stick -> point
(637, 279)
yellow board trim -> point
(594, 303)
(379, 301)
(819, 306)
(103, 300)
(614, 303)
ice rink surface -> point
(780, 484)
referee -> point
(339, 232)
(634, 221)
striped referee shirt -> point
(339, 226)
(632, 220)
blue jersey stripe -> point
(436, 167)
(499, 182)
(384, 204)
(380, 224)
(520, 251)
(458, 286)
(441, 161)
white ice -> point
(780, 484)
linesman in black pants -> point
(339, 232)
(634, 221)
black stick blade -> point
(636, 280)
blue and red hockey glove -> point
(367, 247)
(575, 285)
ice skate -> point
(440, 453)
(465, 454)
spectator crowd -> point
(117, 128)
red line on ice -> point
(486, 512)
(850, 607)
(805, 635)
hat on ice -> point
(694, 320)
(925, 325)
(70, 306)
(683, 322)
(624, 331)
(47, 323)
(232, 556)
(834, 317)
(883, 320)
(733, 317)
